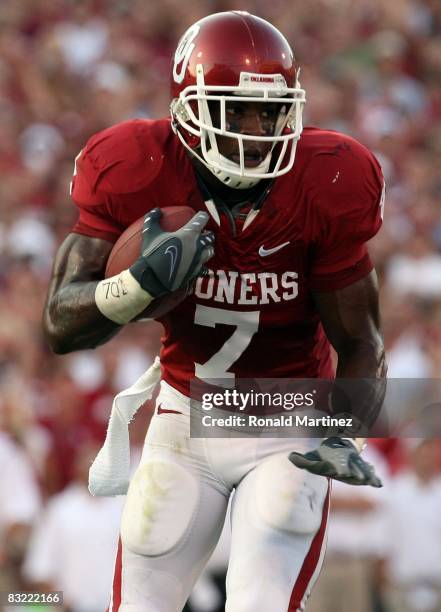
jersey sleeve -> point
(112, 164)
(347, 195)
(95, 216)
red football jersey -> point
(253, 316)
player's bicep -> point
(71, 318)
(351, 315)
(79, 259)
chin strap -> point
(231, 180)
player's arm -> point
(71, 318)
(84, 310)
(351, 320)
(350, 317)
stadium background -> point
(372, 69)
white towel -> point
(109, 473)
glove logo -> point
(172, 250)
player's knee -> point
(289, 499)
(159, 508)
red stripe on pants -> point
(116, 589)
(311, 560)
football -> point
(127, 249)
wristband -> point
(120, 298)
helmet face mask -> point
(201, 108)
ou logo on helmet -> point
(183, 53)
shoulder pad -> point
(343, 177)
(124, 158)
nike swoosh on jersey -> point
(265, 252)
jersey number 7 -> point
(246, 324)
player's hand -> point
(339, 459)
(171, 260)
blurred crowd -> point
(69, 68)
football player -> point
(276, 257)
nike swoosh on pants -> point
(161, 410)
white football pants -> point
(175, 510)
